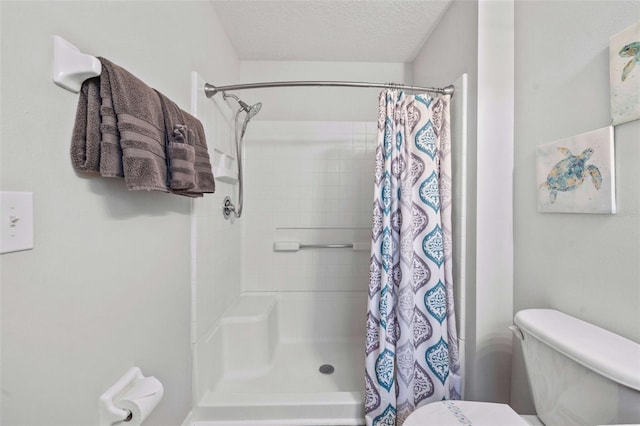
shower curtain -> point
(411, 345)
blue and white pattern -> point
(433, 246)
(385, 369)
(427, 140)
(430, 192)
(411, 350)
(437, 358)
(387, 417)
(436, 302)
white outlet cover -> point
(16, 221)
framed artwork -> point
(624, 74)
(576, 174)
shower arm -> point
(210, 90)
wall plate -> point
(16, 221)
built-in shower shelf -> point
(250, 319)
(225, 175)
(224, 169)
(249, 309)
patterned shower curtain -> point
(411, 347)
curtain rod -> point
(210, 90)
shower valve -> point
(228, 208)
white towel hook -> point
(71, 67)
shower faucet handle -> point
(228, 208)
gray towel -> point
(205, 182)
(125, 137)
(189, 166)
(140, 122)
(181, 155)
(85, 140)
(126, 129)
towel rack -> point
(71, 67)
(296, 246)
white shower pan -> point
(261, 364)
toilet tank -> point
(579, 374)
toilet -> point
(579, 374)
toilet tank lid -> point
(602, 351)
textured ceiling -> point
(329, 30)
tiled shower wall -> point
(312, 183)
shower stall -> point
(279, 336)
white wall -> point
(477, 38)
(494, 213)
(584, 265)
(107, 285)
(436, 66)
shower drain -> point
(326, 369)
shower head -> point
(250, 114)
(254, 109)
(251, 111)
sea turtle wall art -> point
(624, 74)
(576, 174)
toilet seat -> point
(454, 413)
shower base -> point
(293, 391)
(278, 381)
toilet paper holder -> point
(109, 413)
